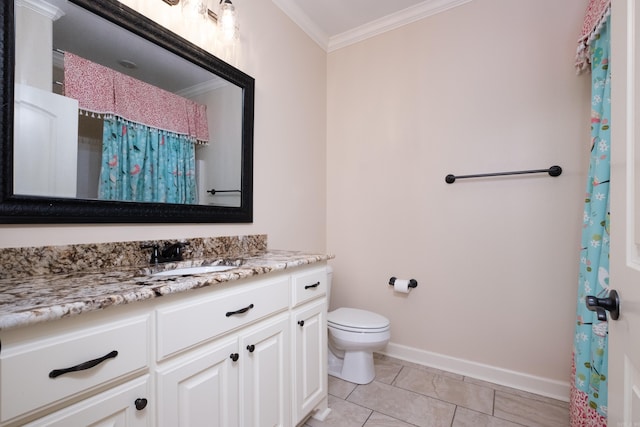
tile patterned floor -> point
(406, 395)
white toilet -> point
(353, 337)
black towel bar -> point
(552, 171)
(213, 191)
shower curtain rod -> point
(552, 171)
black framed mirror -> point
(18, 206)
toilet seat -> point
(356, 320)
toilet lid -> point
(354, 318)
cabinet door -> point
(122, 406)
(200, 389)
(310, 353)
(264, 356)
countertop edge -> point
(121, 290)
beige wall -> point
(488, 86)
(290, 135)
(485, 87)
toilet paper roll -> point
(401, 285)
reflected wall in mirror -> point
(116, 119)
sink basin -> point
(202, 269)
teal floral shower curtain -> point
(144, 164)
(589, 385)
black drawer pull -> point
(242, 310)
(251, 348)
(315, 285)
(83, 366)
(141, 403)
(234, 356)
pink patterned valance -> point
(102, 90)
(597, 12)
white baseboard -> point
(539, 385)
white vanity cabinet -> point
(245, 353)
(54, 366)
(120, 406)
(239, 375)
(309, 323)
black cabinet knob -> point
(251, 348)
(301, 322)
(234, 356)
(141, 403)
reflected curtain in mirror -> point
(148, 152)
(144, 164)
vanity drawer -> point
(308, 285)
(33, 374)
(181, 326)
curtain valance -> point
(102, 90)
(595, 16)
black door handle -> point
(599, 305)
(83, 366)
(242, 310)
(315, 285)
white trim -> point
(204, 87)
(373, 28)
(291, 9)
(391, 22)
(43, 8)
(539, 385)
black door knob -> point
(234, 356)
(251, 348)
(301, 322)
(602, 305)
(141, 403)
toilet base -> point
(356, 366)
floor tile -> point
(340, 388)
(379, 420)
(451, 390)
(416, 366)
(403, 405)
(386, 370)
(530, 412)
(468, 418)
(343, 414)
(517, 392)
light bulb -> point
(228, 21)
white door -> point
(310, 358)
(265, 382)
(45, 143)
(624, 334)
(126, 405)
(201, 389)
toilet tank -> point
(329, 277)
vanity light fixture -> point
(228, 21)
(226, 18)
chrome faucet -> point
(169, 253)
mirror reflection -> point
(103, 114)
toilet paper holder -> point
(413, 283)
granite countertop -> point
(40, 298)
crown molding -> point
(371, 29)
(42, 7)
(291, 9)
(200, 88)
(391, 22)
